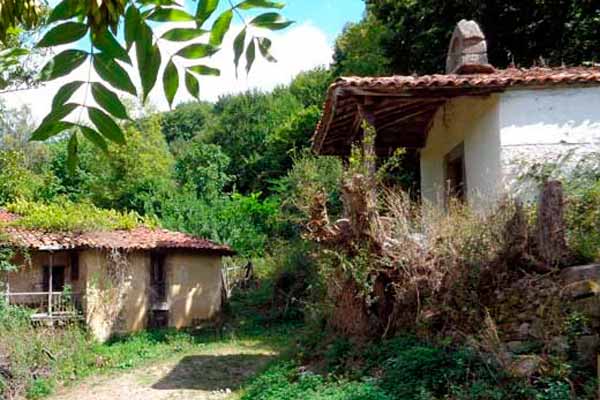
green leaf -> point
(204, 70)
(59, 113)
(249, 4)
(62, 34)
(150, 73)
(132, 22)
(148, 57)
(106, 43)
(250, 55)
(273, 21)
(66, 9)
(106, 125)
(264, 45)
(47, 130)
(143, 45)
(220, 28)
(110, 71)
(238, 48)
(197, 50)
(183, 34)
(72, 153)
(205, 9)
(64, 93)
(14, 52)
(170, 82)
(109, 101)
(94, 137)
(192, 85)
(169, 15)
(62, 64)
(159, 2)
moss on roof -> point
(68, 216)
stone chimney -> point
(468, 50)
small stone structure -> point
(468, 50)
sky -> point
(305, 45)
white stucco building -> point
(478, 130)
(500, 137)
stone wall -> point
(555, 314)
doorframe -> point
(457, 152)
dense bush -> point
(18, 180)
(284, 381)
(244, 222)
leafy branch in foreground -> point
(103, 22)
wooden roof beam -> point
(406, 117)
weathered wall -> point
(116, 308)
(474, 121)
(193, 288)
(119, 302)
(547, 126)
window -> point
(454, 174)
(74, 258)
(58, 278)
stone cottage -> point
(475, 127)
(117, 281)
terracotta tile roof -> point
(136, 239)
(341, 106)
(6, 216)
(511, 77)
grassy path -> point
(211, 372)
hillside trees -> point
(414, 35)
(186, 121)
(204, 167)
(109, 30)
(359, 50)
(125, 177)
(246, 122)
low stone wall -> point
(557, 313)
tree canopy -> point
(414, 35)
(108, 31)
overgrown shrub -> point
(246, 223)
(28, 356)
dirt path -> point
(211, 374)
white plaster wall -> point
(507, 134)
(474, 121)
(558, 126)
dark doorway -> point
(454, 171)
(158, 277)
(58, 279)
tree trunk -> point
(551, 243)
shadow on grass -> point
(212, 373)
